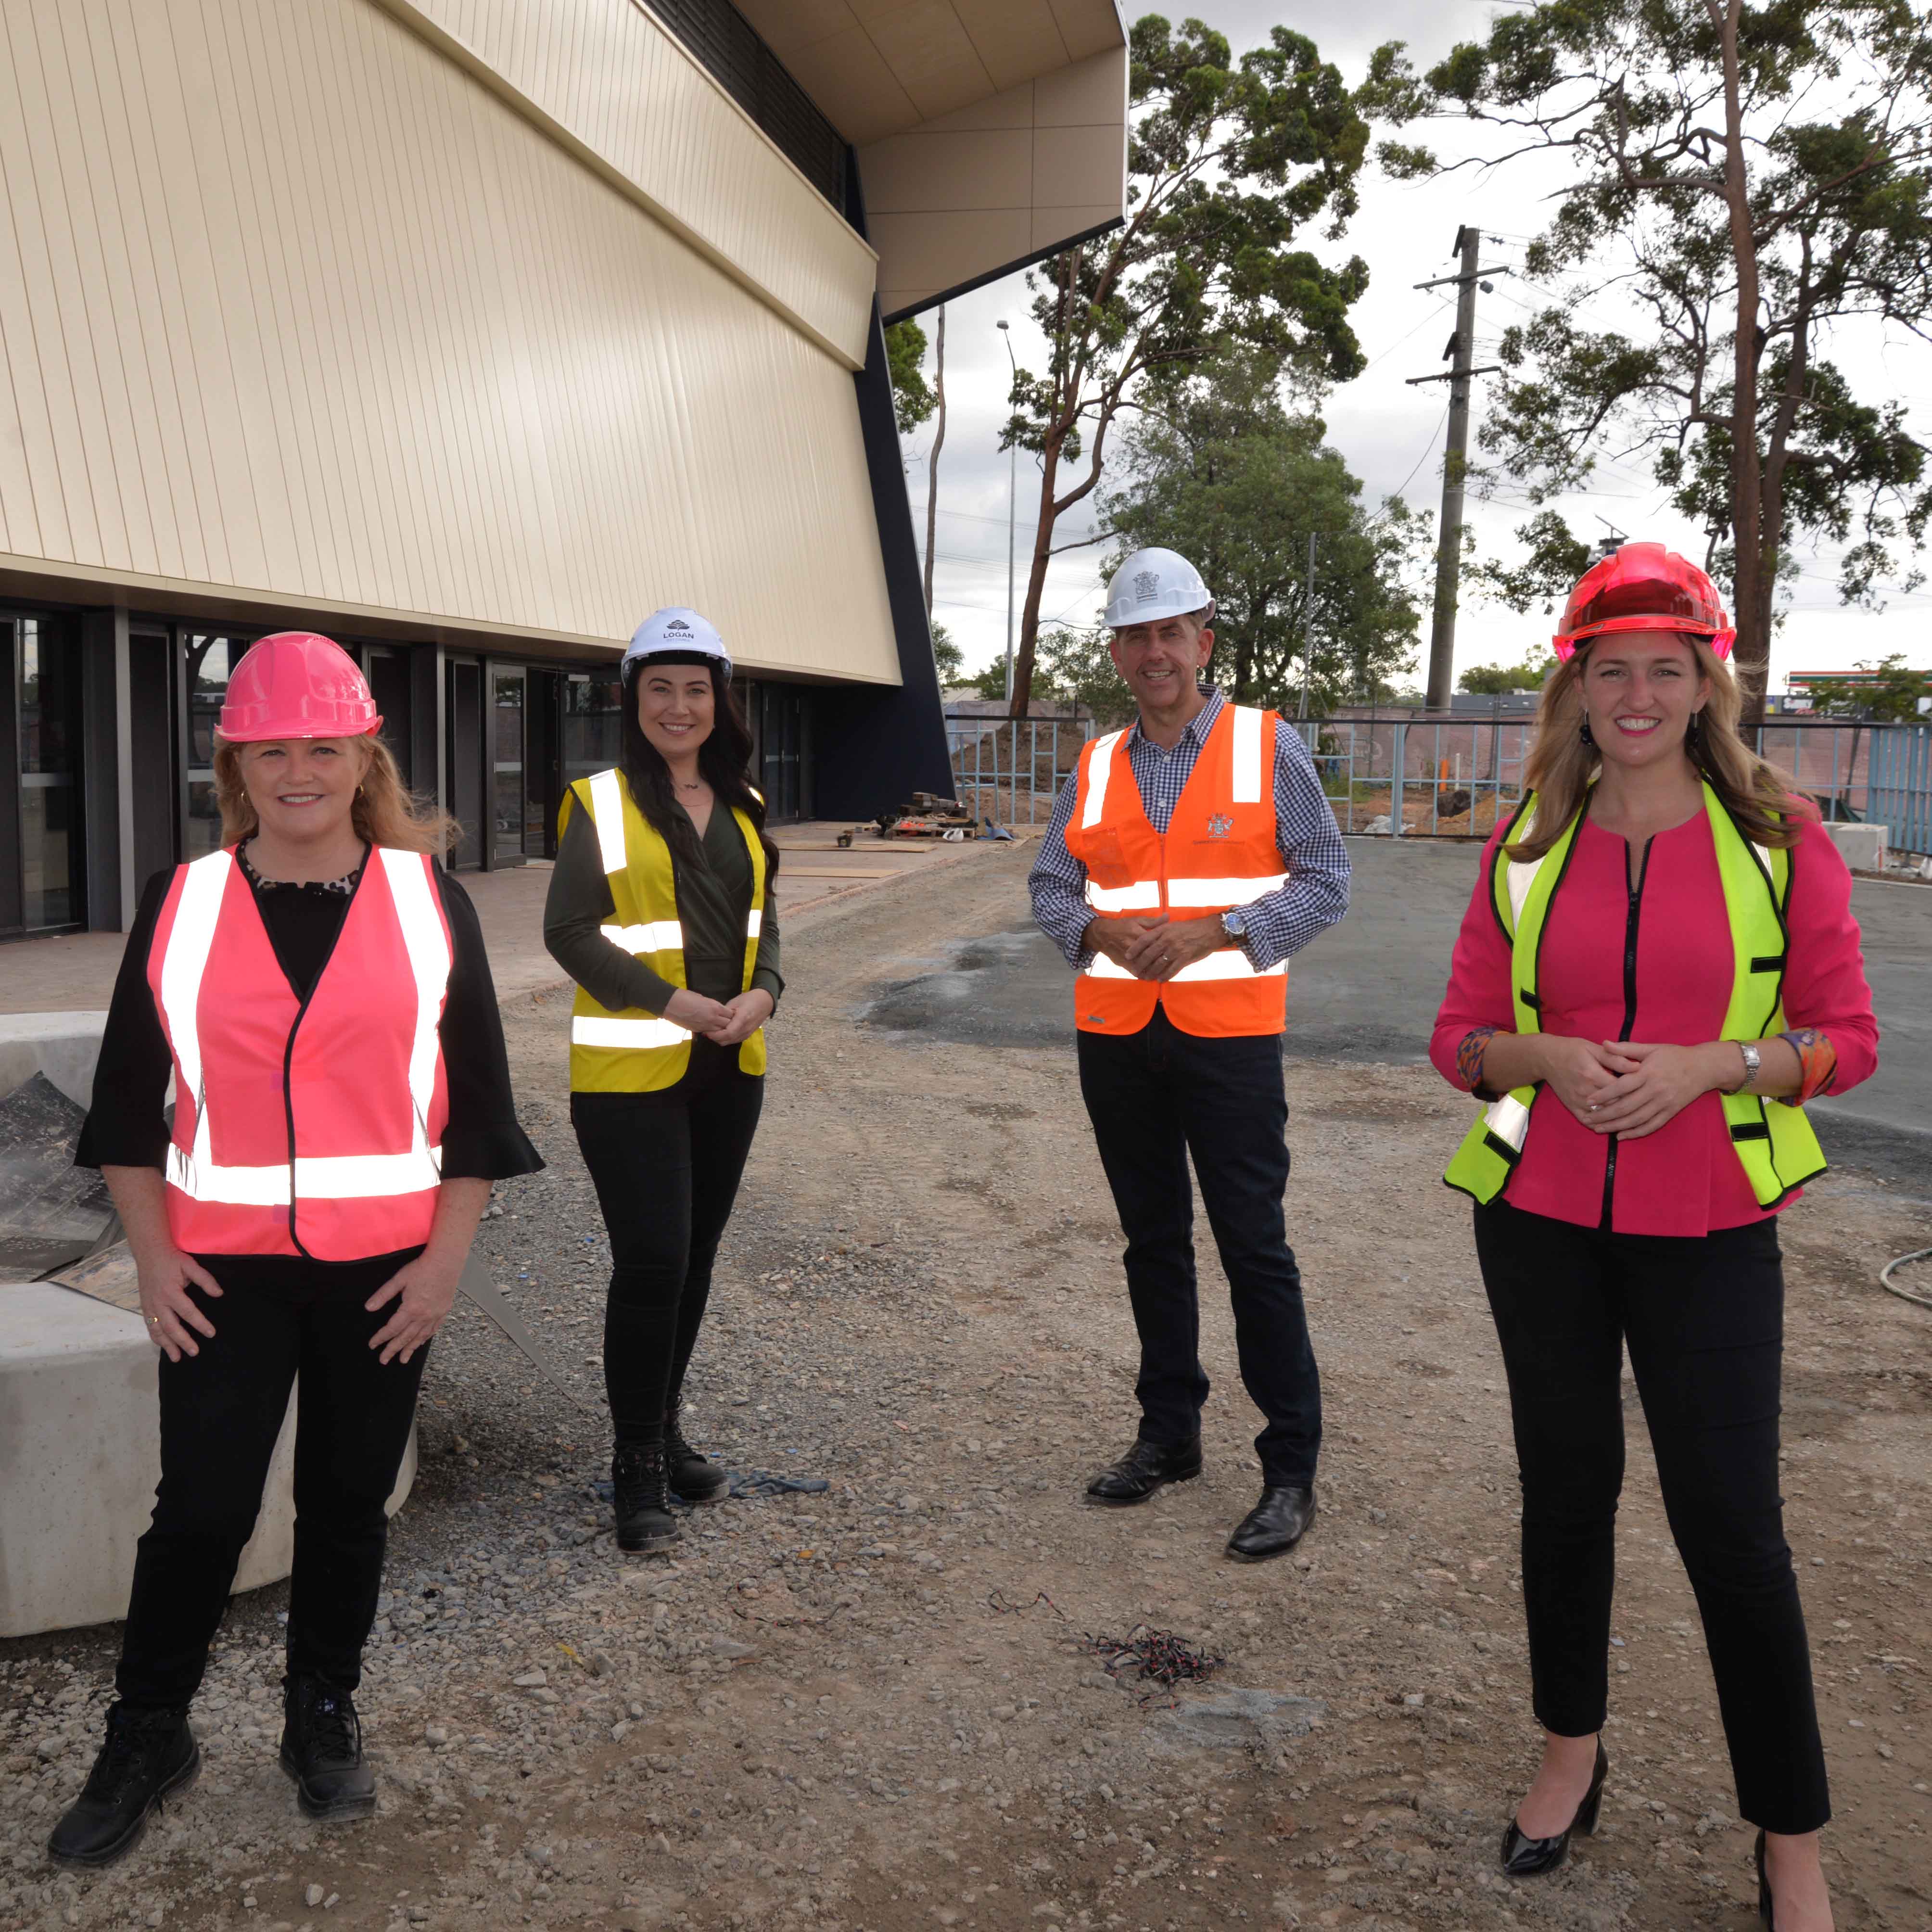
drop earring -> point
(1584, 732)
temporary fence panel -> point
(1900, 795)
(1011, 769)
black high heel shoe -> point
(1764, 1910)
(1526, 1857)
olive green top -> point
(713, 900)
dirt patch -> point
(851, 1708)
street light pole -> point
(1012, 505)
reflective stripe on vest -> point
(1773, 1141)
(638, 1052)
(1220, 851)
(207, 892)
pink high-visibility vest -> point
(303, 1127)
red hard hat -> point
(297, 684)
(1644, 587)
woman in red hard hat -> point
(318, 991)
(1660, 966)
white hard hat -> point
(1152, 584)
(679, 630)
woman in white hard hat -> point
(318, 990)
(660, 909)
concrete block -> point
(64, 1046)
(80, 1451)
(1864, 846)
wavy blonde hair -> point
(1561, 766)
(385, 811)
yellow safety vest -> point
(635, 1052)
(1772, 1139)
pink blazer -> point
(1684, 1178)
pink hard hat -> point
(297, 684)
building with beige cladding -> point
(470, 331)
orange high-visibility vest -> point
(304, 1126)
(1220, 851)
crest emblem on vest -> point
(1220, 826)
(1147, 586)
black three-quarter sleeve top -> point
(126, 1127)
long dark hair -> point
(724, 761)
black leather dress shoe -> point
(1145, 1468)
(148, 1754)
(322, 1751)
(1526, 1857)
(1273, 1526)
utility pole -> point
(1308, 629)
(932, 466)
(1455, 460)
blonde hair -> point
(384, 812)
(1560, 765)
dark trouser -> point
(221, 1411)
(1155, 1097)
(666, 1166)
(1704, 1320)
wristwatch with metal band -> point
(1754, 1060)
(1234, 925)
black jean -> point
(1704, 1321)
(221, 1411)
(666, 1166)
(1155, 1097)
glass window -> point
(211, 659)
(507, 800)
(46, 709)
(593, 740)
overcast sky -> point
(1390, 433)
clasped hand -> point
(1158, 947)
(723, 1022)
(1625, 1087)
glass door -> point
(463, 755)
(507, 753)
(40, 845)
(208, 661)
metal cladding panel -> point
(957, 200)
(606, 73)
(294, 305)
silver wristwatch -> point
(1754, 1060)
(1234, 925)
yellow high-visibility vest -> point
(633, 1051)
(1772, 1139)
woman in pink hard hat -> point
(318, 990)
(1659, 967)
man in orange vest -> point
(1187, 857)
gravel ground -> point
(873, 1707)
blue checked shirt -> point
(1279, 922)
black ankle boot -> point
(322, 1751)
(148, 1754)
(640, 1495)
(692, 1479)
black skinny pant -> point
(1704, 1321)
(221, 1411)
(1155, 1097)
(666, 1166)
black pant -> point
(1155, 1097)
(221, 1411)
(1704, 1320)
(666, 1166)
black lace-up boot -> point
(640, 1495)
(148, 1753)
(322, 1751)
(693, 1479)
